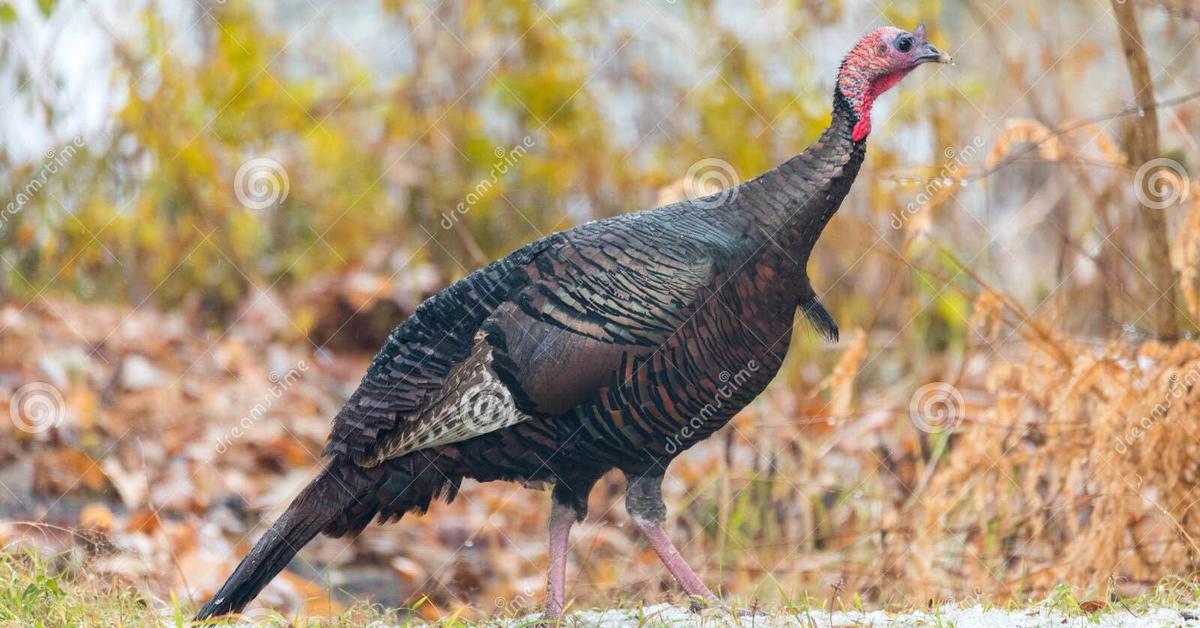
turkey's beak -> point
(930, 53)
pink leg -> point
(658, 539)
(562, 517)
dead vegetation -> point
(1069, 461)
(1041, 459)
(1051, 454)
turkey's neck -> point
(803, 193)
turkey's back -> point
(673, 372)
(619, 343)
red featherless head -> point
(877, 62)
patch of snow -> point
(1034, 617)
(139, 374)
(58, 366)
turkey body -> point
(616, 344)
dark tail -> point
(321, 502)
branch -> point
(1142, 146)
(1187, 12)
(1127, 110)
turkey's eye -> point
(904, 43)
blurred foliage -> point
(994, 224)
(484, 124)
(375, 164)
(382, 169)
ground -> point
(32, 592)
(949, 615)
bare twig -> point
(1128, 110)
(1142, 146)
(1185, 11)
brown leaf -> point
(315, 600)
(67, 470)
(96, 516)
(408, 569)
(144, 521)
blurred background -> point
(214, 212)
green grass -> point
(36, 591)
(33, 592)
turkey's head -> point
(877, 62)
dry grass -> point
(1066, 469)
(1090, 476)
(821, 494)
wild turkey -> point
(616, 344)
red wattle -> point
(876, 88)
(862, 128)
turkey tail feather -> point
(319, 504)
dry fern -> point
(1082, 470)
(1185, 256)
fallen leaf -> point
(96, 516)
(64, 471)
(131, 488)
(144, 521)
(408, 570)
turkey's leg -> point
(643, 500)
(562, 517)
